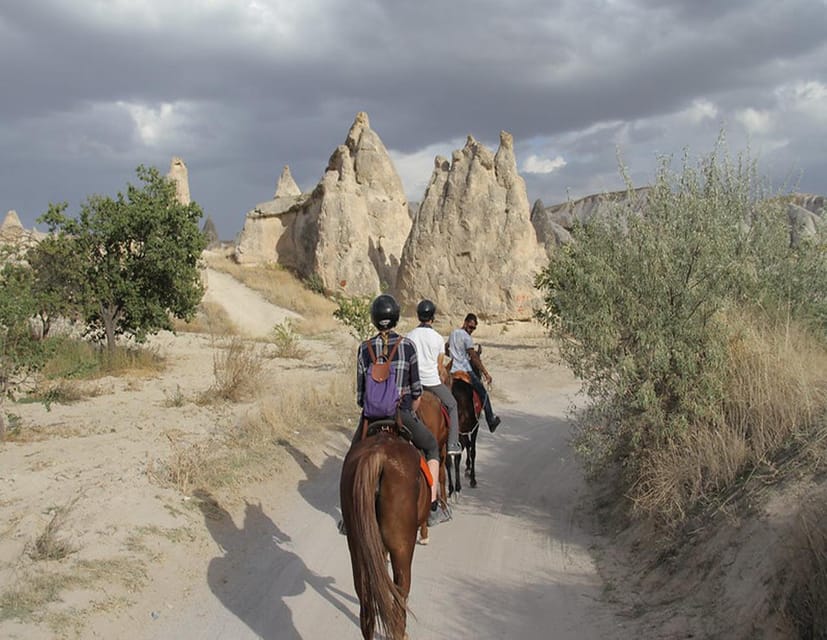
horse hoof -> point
(473, 484)
(424, 541)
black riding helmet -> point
(384, 312)
(425, 310)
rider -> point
(429, 350)
(460, 347)
(384, 313)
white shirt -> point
(459, 343)
(429, 345)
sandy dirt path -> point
(513, 563)
(251, 313)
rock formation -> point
(211, 234)
(15, 238)
(178, 174)
(286, 186)
(472, 247)
(349, 231)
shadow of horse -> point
(256, 571)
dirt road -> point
(513, 563)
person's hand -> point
(415, 404)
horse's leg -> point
(472, 459)
(458, 475)
(401, 561)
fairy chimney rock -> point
(363, 219)
(11, 224)
(472, 246)
(286, 186)
(178, 174)
(349, 231)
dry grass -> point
(51, 544)
(34, 590)
(777, 398)
(252, 449)
(282, 288)
(237, 367)
(210, 318)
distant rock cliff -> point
(349, 231)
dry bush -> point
(282, 288)
(804, 576)
(237, 368)
(305, 409)
(187, 466)
(51, 544)
(776, 399)
(251, 449)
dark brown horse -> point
(384, 498)
(431, 414)
(468, 428)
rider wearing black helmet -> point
(384, 313)
(429, 349)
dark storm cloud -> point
(239, 89)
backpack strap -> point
(372, 353)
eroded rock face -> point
(178, 174)
(349, 231)
(472, 247)
(15, 238)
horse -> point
(468, 428)
(432, 415)
(384, 498)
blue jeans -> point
(486, 402)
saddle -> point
(395, 427)
(463, 375)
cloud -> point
(755, 121)
(536, 164)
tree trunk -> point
(109, 315)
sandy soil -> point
(264, 560)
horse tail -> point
(384, 600)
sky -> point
(240, 88)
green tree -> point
(20, 353)
(137, 256)
(57, 286)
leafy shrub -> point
(286, 341)
(641, 304)
(354, 313)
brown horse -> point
(431, 414)
(469, 423)
(384, 498)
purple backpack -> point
(381, 394)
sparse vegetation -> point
(286, 341)
(354, 313)
(52, 544)
(690, 325)
(236, 368)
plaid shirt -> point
(405, 367)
